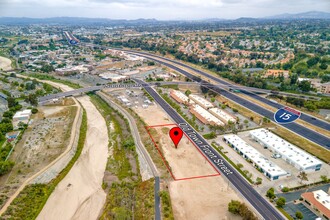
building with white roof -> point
(21, 117)
(319, 201)
(180, 97)
(204, 116)
(293, 155)
(262, 163)
(113, 77)
(222, 115)
(201, 101)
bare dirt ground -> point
(205, 198)
(185, 161)
(5, 63)
(43, 141)
(80, 195)
(153, 115)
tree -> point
(305, 86)
(299, 215)
(293, 79)
(234, 206)
(11, 102)
(46, 68)
(324, 178)
(270, 193)
(187, 92)
(280, 202)
(310, 106)
(303, 176)
(323, 66)
(258, 180)
(313, 61)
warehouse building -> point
(293, 155)
(259, 161)
(114, 77)
(204, 116)
(223, 115)
(201, 101)
(180, 97)
(21, 117)
(319, 201)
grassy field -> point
(127, 196)
(29, 203)
(53, 79)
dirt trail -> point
(79, 195)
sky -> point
(158, 9)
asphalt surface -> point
(296, 128)
(84, 90)
(265, 209)
(305, 117)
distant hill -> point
(304, 15)
(72, 21)
(107, 21)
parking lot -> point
(291, 207)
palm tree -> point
(303, 176)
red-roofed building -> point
(319, 201)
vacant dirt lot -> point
(5, 63)
(43, 141)
(205, 198)
(184, 161)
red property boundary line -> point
(165, 162)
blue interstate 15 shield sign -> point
(286, 115)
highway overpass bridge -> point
(119, 85)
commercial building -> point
(21, 117)
(201, 101)
(223, 115)
(114, 77)
(204, 116)
(293, 155)
(319, 201)
(180, 97)
(263, 164)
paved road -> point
(308, 118)
(84, 90)
(265, 209)
(140, 148)
(296, 128)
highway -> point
(265, 209)
(294, 127)
(305, 117)
(84, 90)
